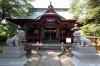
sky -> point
(55, 3)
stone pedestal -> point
(85, 56)
(13, 56)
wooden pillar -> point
(50, 35)
(58, 34)
(62, 34)
(96, 45)
(41, 34)
(38, 35)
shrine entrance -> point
(50, 35)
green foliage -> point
(76, 8)
(82, 21)
(86, 30)
(89, 9)
(12, 8)
(7, 30)
(15, 8)
(91, 29)
(93, 9)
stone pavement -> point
(65, 60)
(48, 58)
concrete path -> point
(49, 58)
(65, 60)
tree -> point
(12, 8)
(7, 30)
(76, 8)
(90, 9)
(15, 8)
(91, 30)
(93, 9)
(87, 9)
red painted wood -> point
(50, 10)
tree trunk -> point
(3, 16)
(1, 19)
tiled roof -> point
(40, 11)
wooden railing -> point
(95, 41)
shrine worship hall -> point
(50, 27)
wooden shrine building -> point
(50, 27)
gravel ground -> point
(48, 58)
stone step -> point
(50, 48)
(50, 42)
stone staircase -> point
(56, 41)
(47, 46)
(50, 48)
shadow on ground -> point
(48, 58)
